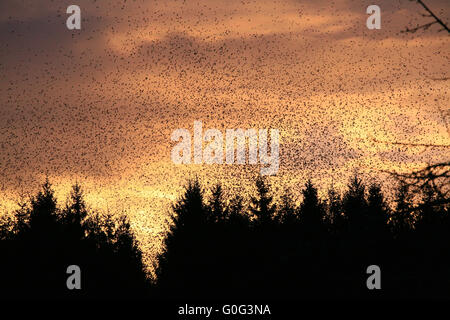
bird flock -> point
(98, 105)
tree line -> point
(225, 246)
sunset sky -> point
(98, 105)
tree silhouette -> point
(235, 214)
(402, 216)
(44, 240)
(262, 207)
(377, 214)
(287, 211)
(312, 212)
(217, 209)
(355, 206)
(182, 265)
(335, 215)
(75, 213)
(320, 249)
(219, 247)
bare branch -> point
(431, 15)
(435, 177)
(441, 79)
(409, 144)
(424, 27)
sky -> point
(98, 105)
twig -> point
(431, 15)
(428, 145)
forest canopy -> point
(224, 245)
